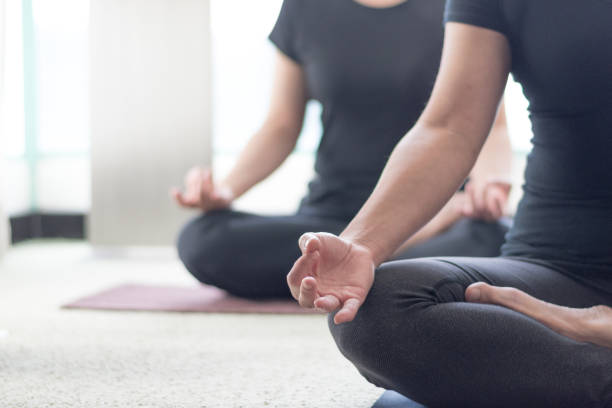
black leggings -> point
(416, 335)
(250, 255)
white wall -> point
(150, 114)
(64, 184)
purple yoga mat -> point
(204, 299)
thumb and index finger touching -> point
(302, 277)
(306, 287)
(198, 184)
(304, 267)
(309, 243)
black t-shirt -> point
(562, 55)
(373, 71)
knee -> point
(203, 248)
(363, 340)
(401, 290)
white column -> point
(150, 114)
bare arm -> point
(488, 190)
(443, 220)
(265, 151)
(276, 139)
(495, 160)
(490, 182)
(432, 160)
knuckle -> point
(291, 279)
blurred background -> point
(105, 104)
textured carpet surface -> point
(51, 357)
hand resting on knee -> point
(201, 192)
(332, 273)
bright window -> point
(12, 139)
(243, 69)
(519, 124)
(62, 75)
(44, 128)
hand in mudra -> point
(487, 200)
(332, 273)
(201, 192)
(593, 325)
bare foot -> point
(593, 325)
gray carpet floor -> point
(68, 358)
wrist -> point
(369, 247)
(226, 192)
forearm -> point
(495, 159)
(444, 219)
(273, 143)
(494, 163)
(424, 171)
(264, 153)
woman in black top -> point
(426, 328)
(372, 69)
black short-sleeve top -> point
(562, 56)
(372, 70)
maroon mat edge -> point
(225, 304)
